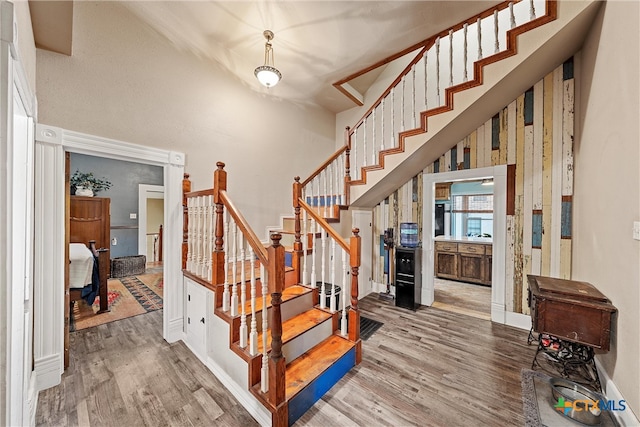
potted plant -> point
(86, 184)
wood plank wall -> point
(533, 136)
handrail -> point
(207, 192)
(246, 229)
(427, 44)
(325, 225)
(324, 165)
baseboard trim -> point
(48, 371)
(518, 320)
(33, 398)
(175, 330)
(625, 418)
(246, 399)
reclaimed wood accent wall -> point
(533, 136)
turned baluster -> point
(218, 262)
(186, 187)
(354, 312)
(297, 244)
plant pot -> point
(86, 192)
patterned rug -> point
(128, 296)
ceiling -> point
(316, 42)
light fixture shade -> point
(267, 75)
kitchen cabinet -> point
(463, 260)
(443, 191)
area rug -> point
(128, 296)
(538, 404)
(368, 327)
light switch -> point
(636, 230)
(133, 216)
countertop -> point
(487, 240)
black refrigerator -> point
(439, 219)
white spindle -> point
(314, 228)
(264, 372)
(243, 295)
(345, 292)
(305, 245)
(324, 192)
(479, 24)
(364, 142)
(253, 336)
(211, 237)
(495, 29)
(198, 212)
(382, 125)
(332, 304)
(413, 95)
(225, 293)
(450, 57)
(393, 117)
(512, 15)
(373, 138)
(356, 167)
(465, 52)
(426, 102)
(234, 272)
(336, 179)
(532, 10)
(438, 71)
(402, 128)
(322, 268)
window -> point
(472, 215)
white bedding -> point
(80, 266)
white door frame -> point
(498, 270)
(362, 219)
(145, 192)
(18, 394)
(51, 145)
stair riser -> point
(304, 400)
(302, 343)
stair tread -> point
(295, 326)
(287, 294)
(303, 370)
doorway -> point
(151, 223)
(498, 174)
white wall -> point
(26, 44)
(607, 183)
(124, 81)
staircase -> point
(279, 340)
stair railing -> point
(224, 252)
(336, 261)
(443, 62)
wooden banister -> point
(244, 227)
(218, 272)
(277, 362)
(324, 165)
(354, 314)
(325, 225)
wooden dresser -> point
(570, 310)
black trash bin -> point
(327, 291)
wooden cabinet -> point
(468, 262)
(443, 191)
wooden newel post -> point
(355, 251)
(217, 261)
(186, 187)
(277, 362)
(347, 164)
(297, 244)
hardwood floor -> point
(429, 367)
(464, 298)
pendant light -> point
(267, 74)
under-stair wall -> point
(533, 136)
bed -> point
(89, 262)
(88, 274)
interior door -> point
(363, 221)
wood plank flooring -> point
(429, 367)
